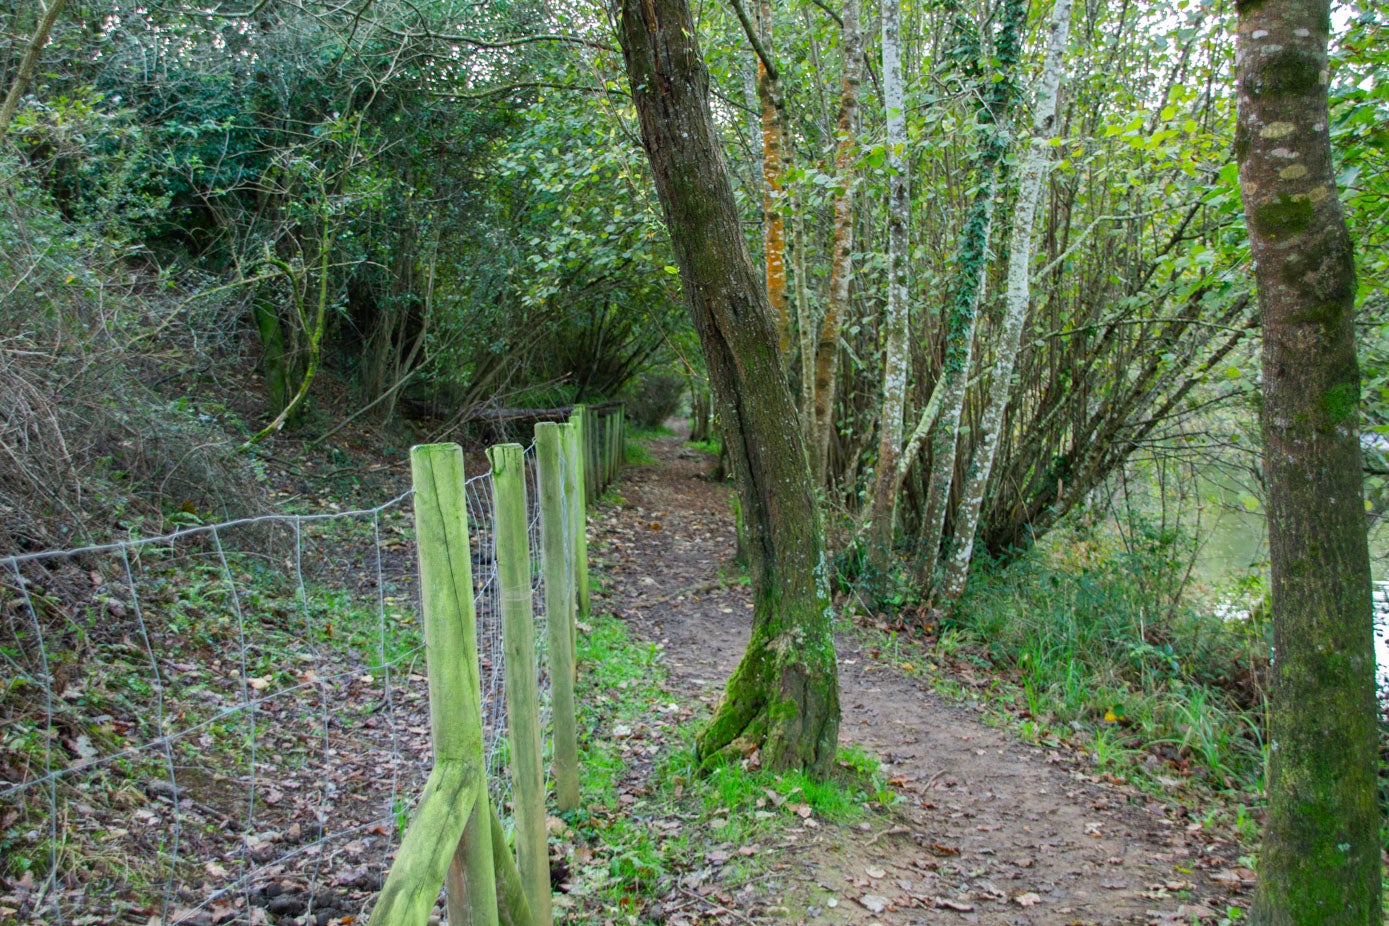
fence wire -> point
(228, 723)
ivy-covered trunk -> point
(783, 699)
(1321, 855)
(968, 287)
(1033, 172)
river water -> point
(1235, 543)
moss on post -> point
(559, 608)
(445, 843)
(522, 698)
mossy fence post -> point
(556, 546)
(511, 520)
(575, 489)
(440, 845)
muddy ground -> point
(988, 828)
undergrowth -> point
(1103, 648)
(1089, 641)
(654, 826)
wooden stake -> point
(575, 493)
(522, 700)
(559, 607)
(445, 842)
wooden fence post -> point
(559, 607)
(581, 416)
(576, 494)
(449, 839)
(511, 521)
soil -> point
(988, 828)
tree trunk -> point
(28, 64)
(1016, 301)
(784, 696)
(896, 363)
(820, 422)
(972, 263)
(1321, 857)
(773, 169)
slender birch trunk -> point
(895, 360)
(826, 360)
(968, 291)
(1033, 173)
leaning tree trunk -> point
(1321, 856)
(895, 360)
(968, 288)
(28, 64)
(1033, 173)
(784, 696)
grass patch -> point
(637, 453)
(653, 825)
(647, 432)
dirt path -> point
(988, 830)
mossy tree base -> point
(786, 710)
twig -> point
(890, 831)
(716, 907)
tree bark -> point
(773, 168)
(1321, 857)
(896, 362)
(1034, 169)
(820, 421)
(783, 699)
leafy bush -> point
(654, 398)
(90, 446)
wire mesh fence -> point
(228, 723)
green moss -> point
(1341, 401)
(782, 711)
(1289, 72)
(1282, 218)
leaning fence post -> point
(450, 838)
(559, 606)
(522, 700)
(578, 513)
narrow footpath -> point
(988, 829)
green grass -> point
(644, 432)
(1102, 656)
(650, 815)
(637, 453)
